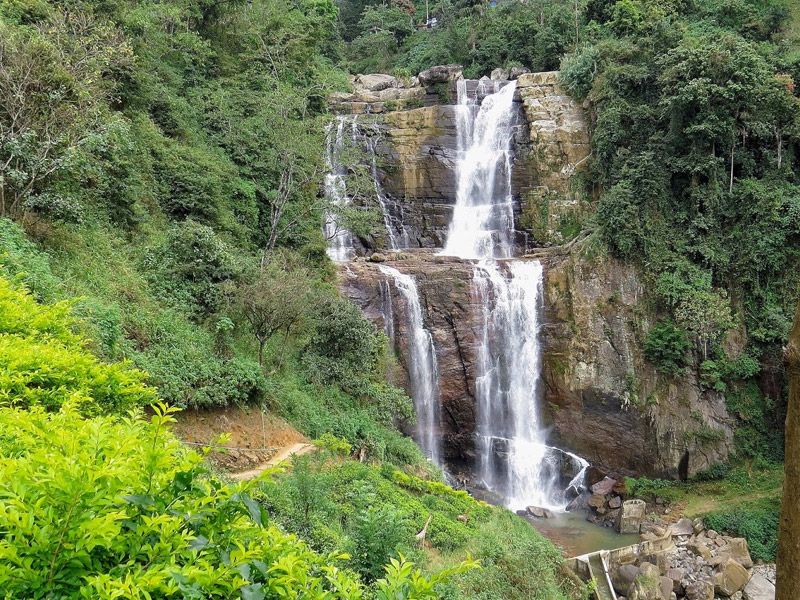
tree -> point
(707, 314)
(788, 583)
(276, 301)
(52, 97)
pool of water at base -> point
(575, 535)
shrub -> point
(21, 260)
(43, 362)
(376, 534)
(345, 347)
(755, 521)
(109, 508)
(666, 347)
(191, 266)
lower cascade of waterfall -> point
(423, 373)
(515, 461)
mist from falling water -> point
(422, 367)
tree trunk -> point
(788, 585)
(733, 147)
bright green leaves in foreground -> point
(118, 508)
(44, 362)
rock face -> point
(558, 146)
(450, 313)
(415, 121)
(602, 399)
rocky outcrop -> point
(450, 313)
(552, 207)
(603, 399)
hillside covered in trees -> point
(162, 169)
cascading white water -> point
(340, 240)
(483, 217)
(421, 362)
(514, 460)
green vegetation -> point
(373, 513)
(666, 347)
(741, 501)
(116, 507)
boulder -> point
(593, 475)
(499, 75)
(596, 501)
(646, 587)
(515, 72)
(698, 526)
(683, 527)
(676, 575)
(738, 550)
(376, 82)
(622, 577)
(577, 503)
(698, 548)
(699, 590)
(665, 586)
(731, 578)
(648, 569)
(539, 512)
(440, 74)
(615, 502)
(604, 487)
(759, 588)
(631, 516)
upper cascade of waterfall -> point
(483, 217)
(421, 362)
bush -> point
(44, 363)
(119, 508)
(191, 266)
(375, 535)
(22, 261)
(666, 347)
(755, 521)
(345, 347)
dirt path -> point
(283, 454)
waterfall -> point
(340, 240)
(514, 460)
(483, 217)
(421, 363)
